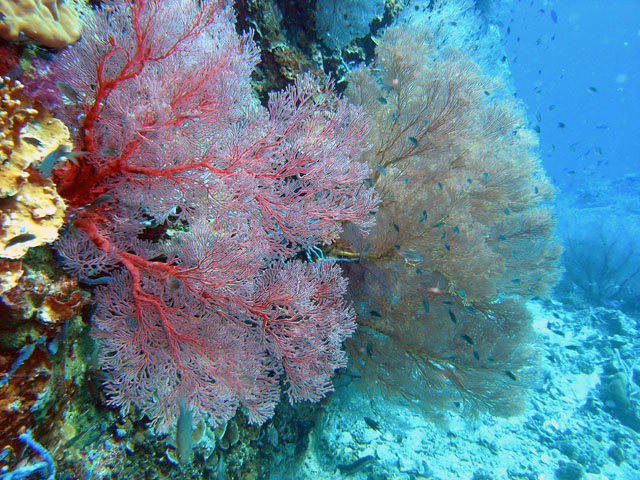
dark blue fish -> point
(424, 216)
(452, 316)
(22, 238)
(554, 16)
(33, 141)
(425, 305)
(467, 338)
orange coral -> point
(32, 212)
(51, 23)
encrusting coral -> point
(31, 211)
(51, 23)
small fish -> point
(173, 283)
(413, 141)
(602, 127)
(382, 100)
(598, 150)
(536, 128)
(106, 280)
(375, 313)
(506, 211)
(52, 160)
(561, 124)
(456, 230)
(447, 246)
(439, 185)
(108, 152)
(476, 355)
(452, 316)
(552, 107)
(516, 281)
(444, 234)
(425, 305)
(538, 117)
(554, 16)
(99, 201)
(381, 169)
(356, 466)
(32, 141)
(22, 238)
(424, 216)
(438, 225)
(467, 338)
(68, 92)
(510, 374)
(396, 228)
(411, 257)
(485, 176)
(184, 441)
(371, 423)
(593, 89)
(536, 191)
(469, 181)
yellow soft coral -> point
(31, 211)
(51, 23)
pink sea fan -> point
(196, 201)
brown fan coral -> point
(463, 235)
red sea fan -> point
(193, 200)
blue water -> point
(583, 71)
